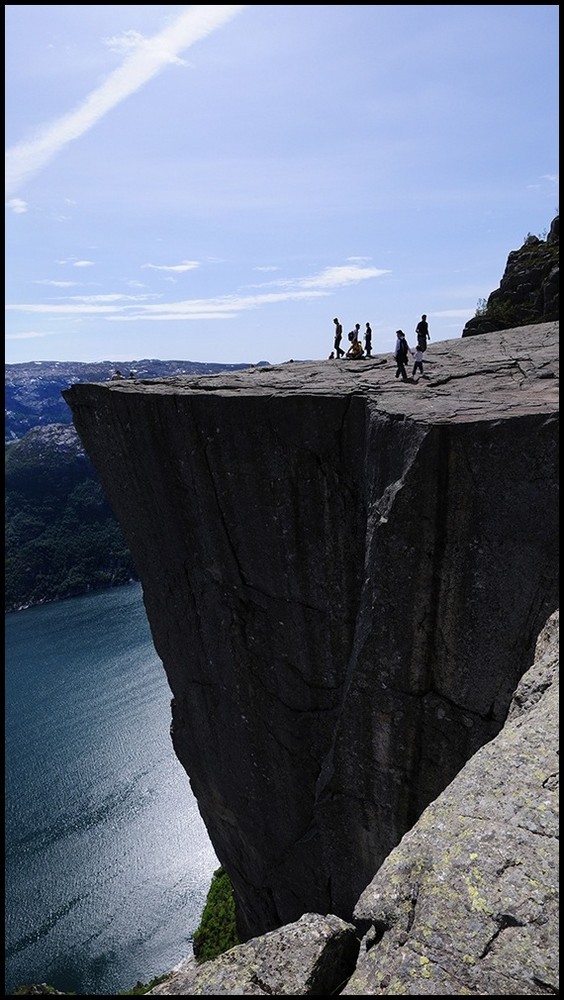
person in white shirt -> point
(418, 364)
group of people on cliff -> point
(402, 349)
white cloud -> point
(134, 40)
(336, 277)
(63, 308)
(29, 335)
(331, 277)
(225, 306)
(56, 284)
(147, 59)
(75, 262)
(186, 265)
(17, 205)
(113, 297)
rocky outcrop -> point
(311, 957)
(345, 577)
(467, 904)
(529, 289)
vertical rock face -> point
(345, 578)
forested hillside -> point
(62, 538)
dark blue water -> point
(108, 862)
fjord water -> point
(108, 862)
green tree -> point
(217, 931)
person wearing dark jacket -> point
(339, 353)
(368, 341)
(422, 331)
(401, 354)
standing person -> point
(368, 341)
(401, 355)
(418, 364)
(422, 331)
(339, 353)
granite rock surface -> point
(466, 904)
(345, 577)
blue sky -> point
(217, 182)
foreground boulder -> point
(468, 902)
(345, 577)
(312, 957)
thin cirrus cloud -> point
(76, 263)
(148, 58)
(56, 284)
(28, 335)
(135, 307)
(185, 265)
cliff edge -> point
(345, 578)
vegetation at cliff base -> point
(36, 988)
(217, 931)
(141, 988)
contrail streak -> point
(26, 158)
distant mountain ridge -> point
(32, 391)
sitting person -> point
(356, 350)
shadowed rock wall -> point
(345, 578)
(466, 904)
